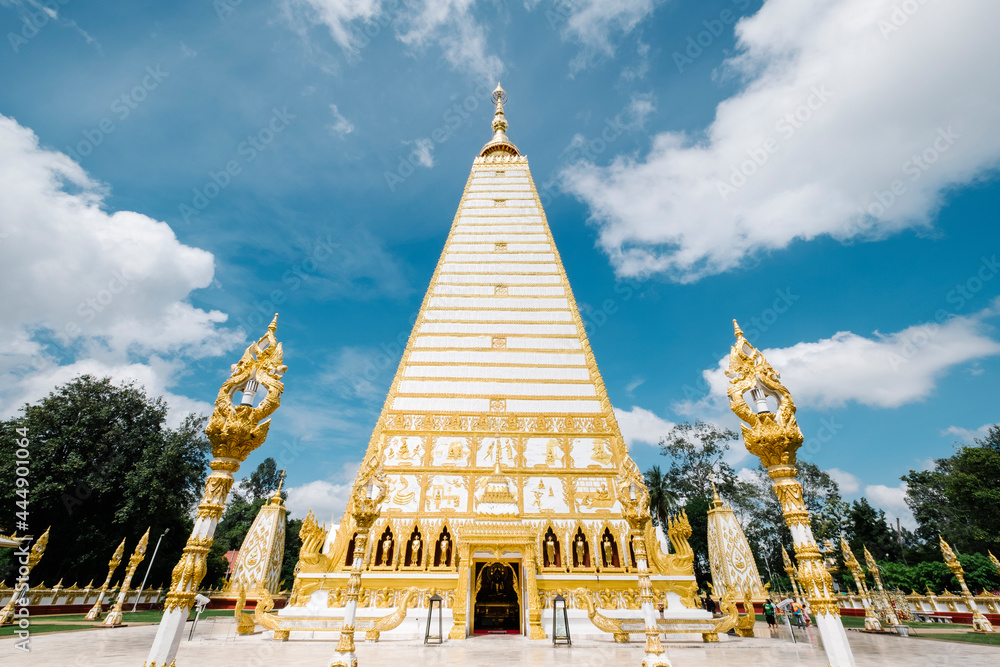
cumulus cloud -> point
(892, 499)
(423, 152)
(849, 484)
(327, 498)
(968, 435)
(341, 126)
(90, 290)
(641, 425)
(853, 120)
(885, 370)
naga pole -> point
(114, 617)
(979, 622)
(871, 619)
(30, 561)
(884, 606)
(369, 492)
(634, 499)
(116, 559)
(774, 437)
(235, 430)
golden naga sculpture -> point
(114, 617)
(993, 559)
(979, 622)
(35, 555)
(744, 626)
(882, 603)
(773, 435)
(237, 430)
(234, 430)
(679, 531)
(393, 620)
(116, 559)
(600, 621)
(871, 619)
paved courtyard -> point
(215, 644)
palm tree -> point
(662, 499)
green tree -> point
(951, 498)
(662, 499)
(696, 454)
(868, 527)
(103, 466)
(293, 543)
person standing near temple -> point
(769, 614)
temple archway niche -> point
(385, 549)
(551, 551)
(609, 550)
(349, 558)
(414, 549)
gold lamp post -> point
(634, 499)
(366, 499)
(235, 430)
(871, 619)
(882, 601)
(979, 622)
(116, 559)
(114, 617)
(31, 560)
(774, 437)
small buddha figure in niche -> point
(581, 548)
(609, 551)
(415, 545)
(445, 550)
(550, 550)
(387, 550)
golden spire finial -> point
(737, 331)
(499, 142)
(716, 501)
(276, 496)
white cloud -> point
(892, 499)
(326, 498)
(593, 24)
(641, 425)
(849, 484)
(448, 24)
(91, 290)
(636, 382)
(968, 435)
(423, 152)
(883, 107)
(885, 371)
(341, 126)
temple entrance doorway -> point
(497, 598)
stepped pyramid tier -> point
(497, 437)
(258, 564)
(734, 569)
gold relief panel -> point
(545, 495)
(592, 453)
(405, 450)
(593, 494)
(450, 452)
(545, 452)
(488, 448)
(403, 494)
(446, 493)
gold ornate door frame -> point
(498, 541)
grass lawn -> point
(69, 622)
(968, 637)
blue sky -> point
(174, 174)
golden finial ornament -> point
(499, 143)
(871, 619)
(116, 559)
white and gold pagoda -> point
(502, 455)
(258, 564)
(734, 569)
